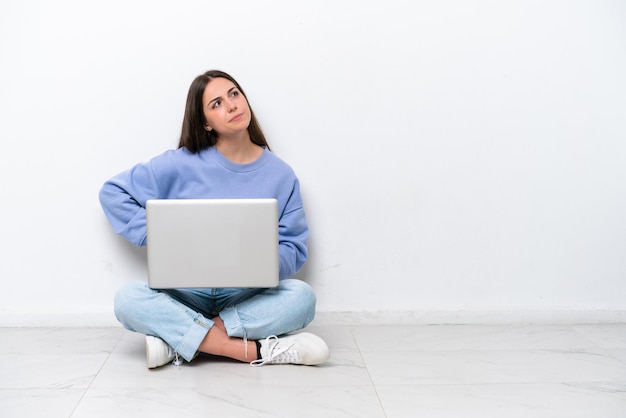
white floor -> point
(374, 371)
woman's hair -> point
(194, 136)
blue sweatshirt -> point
(179, 174)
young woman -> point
(222, 153)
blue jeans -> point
(182, 317)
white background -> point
(455, 156)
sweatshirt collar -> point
(235, 167)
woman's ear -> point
(208, 128)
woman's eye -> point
(216, 104)
(235, 93)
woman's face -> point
(226, 110)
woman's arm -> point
(123, 199)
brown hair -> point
(193, 135)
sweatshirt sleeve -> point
(293, 234)
(123, 199)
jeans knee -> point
(306, 299)
(126, 299)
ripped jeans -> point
(182, 317)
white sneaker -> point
(158, 352)
(304, 348)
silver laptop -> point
(195, 243)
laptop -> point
(206, 243)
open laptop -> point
(200, 243)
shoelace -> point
(275, 354)
(177, 360)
